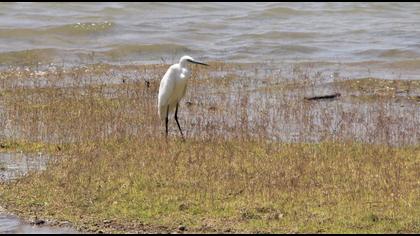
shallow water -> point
(12, 225)
(15, 165)
(12, 166)
(355, 39)
(286, 117)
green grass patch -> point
(226, 186)
(29, 147)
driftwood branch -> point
(329, 96)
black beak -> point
(197, 62)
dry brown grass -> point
(257, 157)
(226, 185)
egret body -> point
(172, 89)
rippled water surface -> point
(357, 39)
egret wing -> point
(166, 89)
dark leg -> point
(176, 119)
(166, 122)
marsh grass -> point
(257, 158)
(104, 101)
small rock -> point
(183, 207)
(227, 231)
(107, 221)
(182, 228)
(39, 222)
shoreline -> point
(19, 224)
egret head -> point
(187, 59)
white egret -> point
(172, 89)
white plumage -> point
(172, 88)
